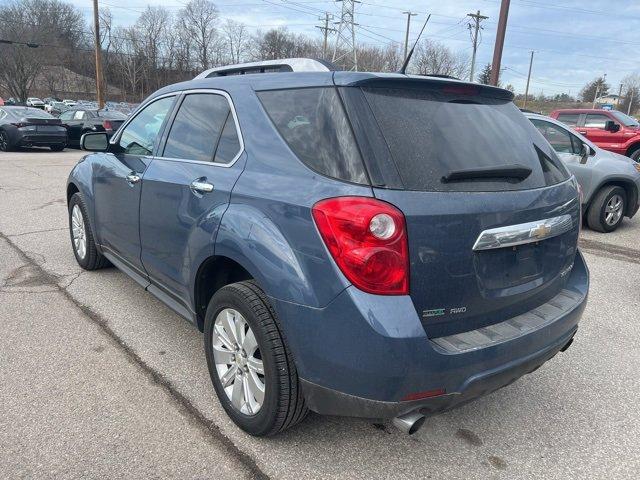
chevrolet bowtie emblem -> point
(541, 231)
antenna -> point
(406, 60)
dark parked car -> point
(30, 127)
(81, 121)
(373, 245)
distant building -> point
(610, 99)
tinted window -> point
(431, 134)
(625, 119)
(596, 120)
(559, 138)
(569, 118)
(229, 144)
(197, 127)
(314, 125)
(111, 115)
(140, 134)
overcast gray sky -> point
(574, 41)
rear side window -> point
(560, 139)
(432, 134)
(313, 123)
(570, 119)
(199, 126)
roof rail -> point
(270, 66)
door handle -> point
(201, 186)
(582, 132)
(133, 178)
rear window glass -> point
(111, 115)
(431, 134)
(569, 118)
(30, 113)
(315, 126)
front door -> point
(187, 189)
(118, 183)
(594, 130)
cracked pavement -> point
(100, 379)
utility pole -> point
(344, 50)
(325, 30)
(630, 101)
(477, 18)
(500, 34)
(96, 27)
(526, 91)
(406, 35)
(619, 95)
(604, 79)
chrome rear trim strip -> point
(522, 233)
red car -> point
(608, 129)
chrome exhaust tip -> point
(409, 423)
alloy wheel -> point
(238, 361)
(78, 231)
(613, 210)
(4, 143)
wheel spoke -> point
(255, 365)
(229, 324)
(229, 376)
(237, 396)
(250, 344)
(256, 388)
(223, 356)
(248, 397)
(223, 337)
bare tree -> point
(236, 38)
(274, 44)
(53, 28)
(199, 19)
(433, 58)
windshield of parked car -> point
(432, 132)
(111, 115)
(30, 112)
(626, 120)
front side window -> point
(199, 131)
(313, 123)
(140, 135)
(68, 115)
(560, 139)
(570, 119)
(596, 120)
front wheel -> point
(82, 242)
(635, 154)
(607, 209)
(5, 143)
(250, 366)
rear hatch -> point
(459, 160)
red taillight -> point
(107, 125)
(368, 240)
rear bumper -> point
(40, 139)
(362, 354)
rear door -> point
(459, 281)
(569, 148)
(187, 189)
(118, 182)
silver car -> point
(610, 182)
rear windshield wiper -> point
(519, 172)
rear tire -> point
(5, 143)
(607, 209)
(82, 242)
(635, 154)
(282, 404)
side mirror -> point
(94, 142)
(585, 152)
(611, 126)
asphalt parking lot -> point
(101, 379)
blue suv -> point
(384, 246)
